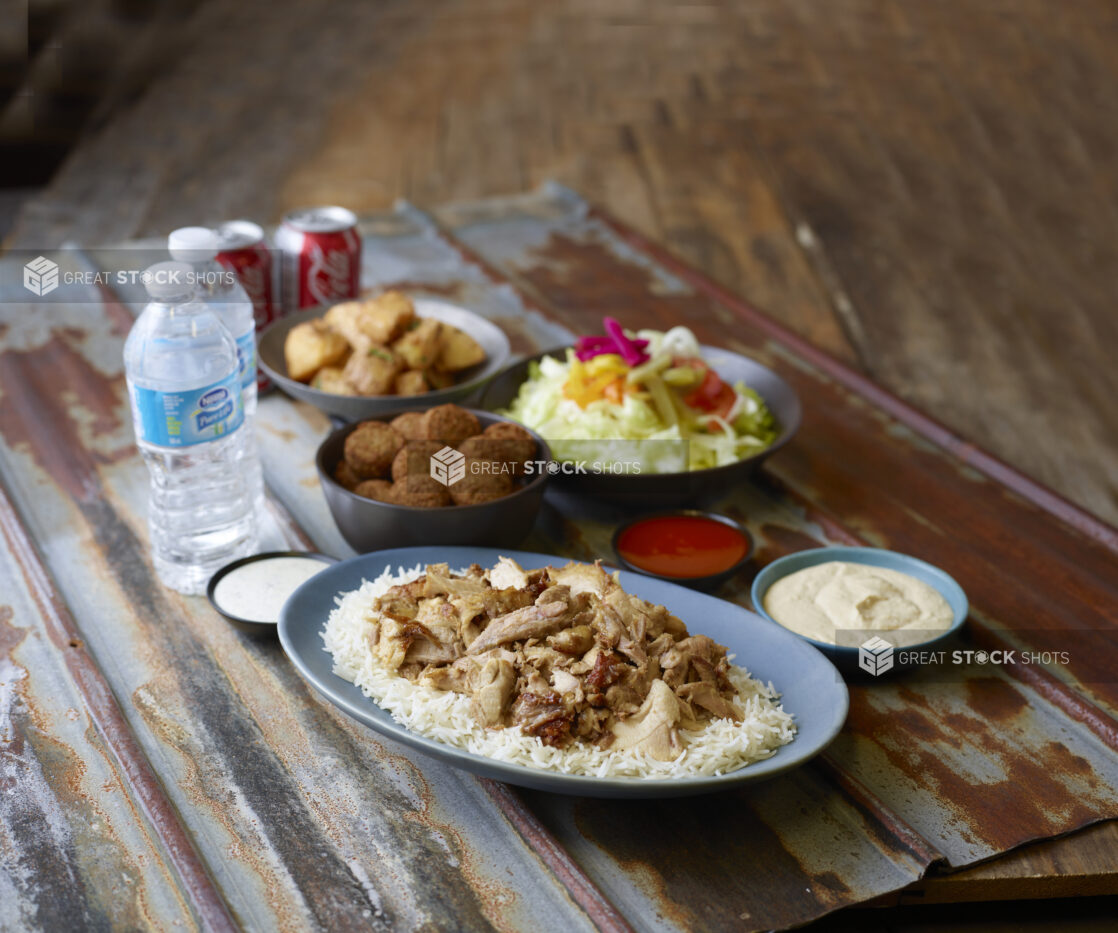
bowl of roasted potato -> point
(359, 358)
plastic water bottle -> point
(218, 287)
(180, 362)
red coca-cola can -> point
(320, 257)
(244, 250)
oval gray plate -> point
(811, 688)
(493, 341)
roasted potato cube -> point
(437, 379)
(411, 382)
(458, 351)
(393, 312)
(345, 319)
(372, 371)
(310, 346)
(332, 379)
(377, 321)
(419, 347)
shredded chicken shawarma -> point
(564, 654)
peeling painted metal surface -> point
(75, 848)
(292, 817)
(303, 819)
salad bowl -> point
(662, 489)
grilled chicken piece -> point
(545, 715)
(396, 638)
(592, 724)
(582, 578)
(440, 582)
(608, 627)
(623, 700)
(543, 658)
(707, 696)
(639, 677)
(492, 688)
(476, 609)
(398, 605)
(652, 729)
(609, 668)
(655, 619)
(660, 644)
(555, 594)
(530, 622)
(564, 682)
(402, 601)
(533, 681)
(680, 660)
(438, 640)
(508, 574)
(456, 676)
(574, 641)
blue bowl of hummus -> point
(865, 608)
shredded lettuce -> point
(541, 405)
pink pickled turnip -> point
(631, 351)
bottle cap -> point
(238, 234)
(193, 244)
(166, 281)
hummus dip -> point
(839, 602)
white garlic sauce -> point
(257, 591)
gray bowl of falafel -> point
(448, 475)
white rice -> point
(721, 746)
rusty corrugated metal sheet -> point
(305, 820)
(84, 822)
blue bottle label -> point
(180, 419)
(246, 358)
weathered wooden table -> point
(160, 769)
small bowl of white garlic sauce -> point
(865, 608)
(250, 592)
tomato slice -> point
(724, 401)
(712, 396)
(706, 395)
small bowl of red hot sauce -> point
(692, 548)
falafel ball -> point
(379, 489)
(411, 468)
(450, 424)
(410, 426)
(345, 477)
(429, 497)
(481, 486)
(370, 447)
(516, 444)
(480, 447)
(487, 455)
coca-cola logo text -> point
(329, 274)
